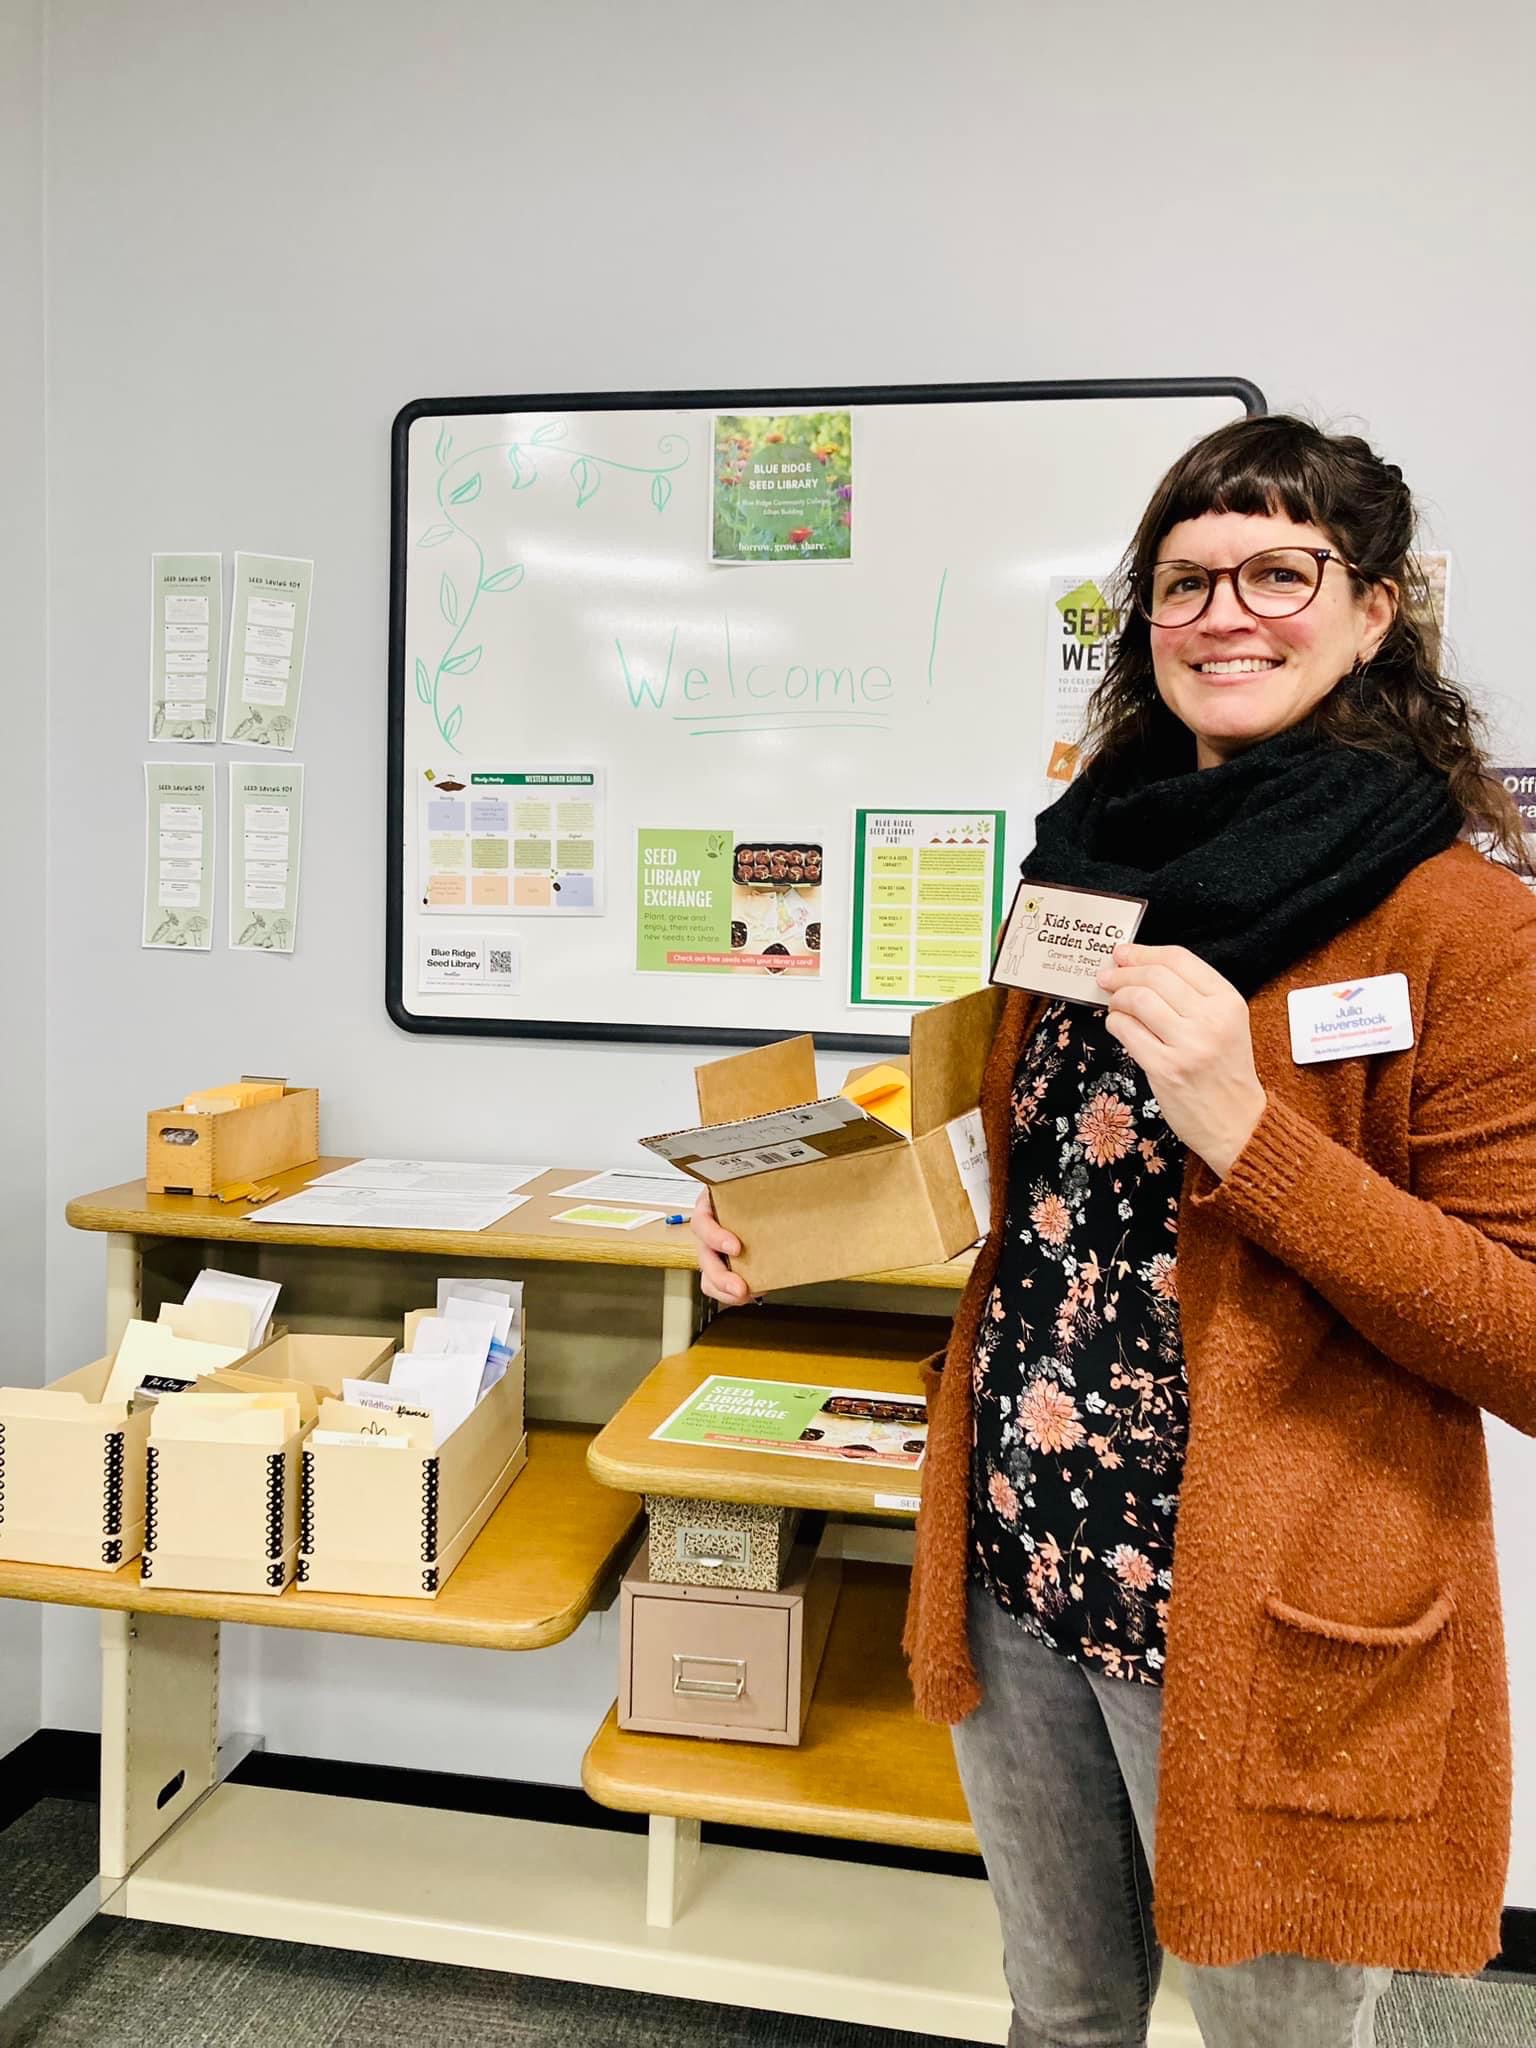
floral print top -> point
(1082, 1408)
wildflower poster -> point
(927, 897)
(783, 487)
(178, 855)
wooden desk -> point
(180, 1845)
(880, 1353)
(527, 1232)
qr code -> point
(501, 960)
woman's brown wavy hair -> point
(1279, 464)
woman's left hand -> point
(1187, 1029)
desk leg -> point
(159, 1729)
(674, 1851)
(680, 1299)
(125, 1270)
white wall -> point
(270, 226)
(23, 816)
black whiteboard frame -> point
(773, 399)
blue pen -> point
(674, 1219)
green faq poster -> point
(683, 902)
(927, 901)
(783, 487)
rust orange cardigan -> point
(1335, 1775)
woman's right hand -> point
(715, 1247)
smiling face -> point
(1234, 680)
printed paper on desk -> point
(1350, 1020)
(646, 1190)
(596, 1216)
(1056, 940)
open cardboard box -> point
(821, 1189)
(222, 1510)
(397, 1520)
(192, 1153)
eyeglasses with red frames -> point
(1275, 584)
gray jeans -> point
(1060, 1768)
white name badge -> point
(1056, 940)
(1350, 1018)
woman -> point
(1250, 1297)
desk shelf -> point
(877, 1352)
(528, 1580)
(528, 1232)
(868, 1770)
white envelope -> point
(448, 1387)
(258, 1296)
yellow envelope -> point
(885, 1091)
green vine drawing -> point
(458, 486)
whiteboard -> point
(555, 608)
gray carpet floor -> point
(130, 1985)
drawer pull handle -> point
(709, 1688)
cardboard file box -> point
(821, 1189)
(191, 1154)
(397, 1521)
(223, 1517)
(704, 1660)
(71, 1473)
(719, 1543)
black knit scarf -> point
(1254, 862)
